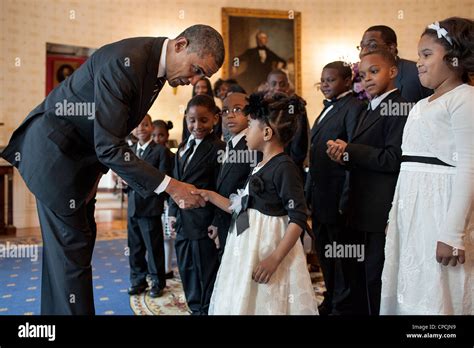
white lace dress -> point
(433, 203)
(289, 291)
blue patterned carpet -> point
(20, 281)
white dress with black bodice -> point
(289, 291)
(433, 203)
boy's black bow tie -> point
(328, 102)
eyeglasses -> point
(235, 111)
(372, 46)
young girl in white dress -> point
(263, 269)
(429, 254)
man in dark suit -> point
(259, 61)
(144, 226)
(326, 179)
(382, 37)
(373, 159)
(77, 133)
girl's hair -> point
(163, 124)
(203, 100)
(208, 85)
(280, 112)
(459, 55)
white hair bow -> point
(441, 32)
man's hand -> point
(448, 255)
(180, 192)
(212, 233)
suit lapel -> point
(148, 150)
(337, 106)
(200, 152)
(151, 76)
(374, 116)
(226, 167)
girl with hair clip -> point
(429, 266)
(263, 269)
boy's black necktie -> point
(140, 152)
(363, 118)
(184, 159)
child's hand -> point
(447, 255)
(205, 194)
(336, 150)
(171, 223)
(265, 269)
(212, 233)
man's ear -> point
(180, 44)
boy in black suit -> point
(197, 163)
(145, 231)
(373, 159)
(237, 163)
(326, 179)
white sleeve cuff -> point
(163, 185)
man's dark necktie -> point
(160, 82)
(140, 152)
(184, 159)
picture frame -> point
(245, 59)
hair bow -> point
(441, 32)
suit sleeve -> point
(291, 192)
(298, 148)
(114, 89)
(385, 159)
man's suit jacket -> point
(201, 171)
(374, 157)
(61, 152)
(326, 178)
(138, 206)
(232, 176)
(408, 82)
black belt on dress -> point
(427, 160)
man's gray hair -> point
(205, 40)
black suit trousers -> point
(365, 277)
(145, 234)
(68, 242)
(197, 263)
(336, 297)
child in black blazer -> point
(326, 179)
(237, 162)
(373, 158)
(145, 232)
(197, 163)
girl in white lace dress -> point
(429, 254)
(263, 269)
